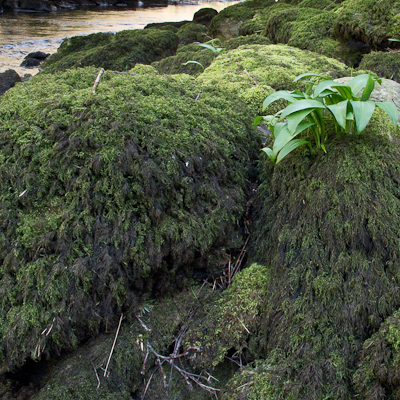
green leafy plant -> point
(307, 112)
(209, 47)
(394, 40)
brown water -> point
(22, 33)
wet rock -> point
(33, 60)
(204, 16)
(8, 79)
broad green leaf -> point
(350, 116)
(324, 85)
(193, 62)
(280, 95)
(302, 126)
(269, 153)
(282, 136)
(292, 145)
(346, 93)
(301, 105)
(368, 89)
(362, 111)
(306, 75)
(339, 111)
(258, 120)
(394, 40)
(390, 108)
(357, 83)
(294, 119)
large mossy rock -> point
(254, 71)
(119, 51)
(368, 21)
(383, 63)
(329, 228)
(105, 197)
(227, 24)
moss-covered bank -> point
(329, 228)
(107, 196)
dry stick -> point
(246, 72)
(194, 377)
(148, 382)
(142, 323)
(112, 348)
(97, 376)
(97, 81)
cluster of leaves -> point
(307, 112)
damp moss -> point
(231, 322)
(254, 71)
(228, 22)
(329, 227)
(192, 32)
(105, 197)
(368, 21)
(377, 376)
(174, 64)
(384, 64)
(119, 51)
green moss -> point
(228, 22)
(384, 64)
(253, 71)
(368, 21)
(329, 227)
(120, 51)
(245, 40)
(204, 15)
(377, 376)
(325, 5)
(104, 197)
(192, 32)
(232, 321)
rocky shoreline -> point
(149, 251)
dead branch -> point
(113, 345)
(97, 81)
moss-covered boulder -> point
(192, 32)
(105, 197)
(191, 52)
(119, 51)
(204, 15)
(378, 374)
(368, 21)
(254, 71)
(385, 64)
(328, 225)
(227, 24)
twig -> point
(244, 326)
(97, 376)
(148, 382)
(198, 96)
(246, 72)
(102, 70)
(112, 348)
(142, 323)
(97, 81)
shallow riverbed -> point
(22, 33)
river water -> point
(22, 33)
